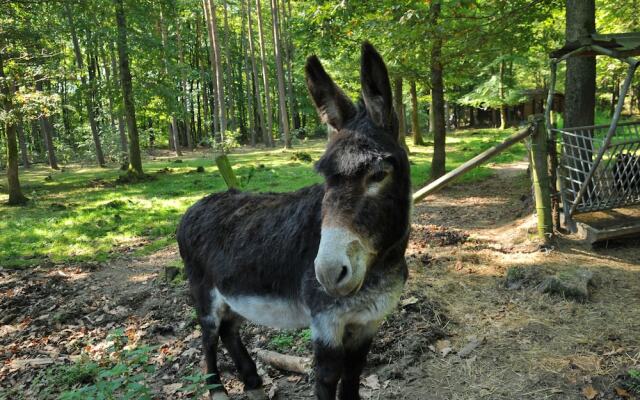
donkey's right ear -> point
(334, 107)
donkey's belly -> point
(270, 311)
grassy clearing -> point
(79, 215)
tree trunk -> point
(437, 99)
(47, 133)
(135, 160)
(288, 42)
(415, 122)
(503, 106)
(225, 39)
(174, 142)
(399, 106)
(615, 92)
(92, 101)
(23, 146)
(580, 87)
(280, 75)
(185, 92)
(124, 146)
(265, 79)
(89, 96)
(15, 191)
(256, 79)
(217, 58)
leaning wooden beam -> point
(469, 165)
(300, 365)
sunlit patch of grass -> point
(78, 215)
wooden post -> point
(224, 166)
(539, 174)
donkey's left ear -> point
(376, 88)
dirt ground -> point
(459, 333)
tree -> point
(173, 125)
(15, 192)
(135, 160)
(265, 78)
(284, 121)
(256, 78)
(399, 107)
(89, 101)
(580, 88)
(437, 98)
(415, 122)
(210, 13)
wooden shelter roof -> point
(622, 45)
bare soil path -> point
(458, 334)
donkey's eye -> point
(378, 176)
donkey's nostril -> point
(343, 274)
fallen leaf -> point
(272, 391)
(409, 301)
(590, 392)
(622, 392)
(172, 388)
(443, 347)
(372, 382)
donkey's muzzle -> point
(341, 262)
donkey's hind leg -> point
(230, 335)
(211, 309)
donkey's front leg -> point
(329, 364)
(357, 342)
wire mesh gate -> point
(616, 178)
(599, 168)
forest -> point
(117, 115)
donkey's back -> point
(267, 240)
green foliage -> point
(633, 380)
(122, 374)
(282, 341)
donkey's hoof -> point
(256, 394)
(219, 396)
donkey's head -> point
(365, 210)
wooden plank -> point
(469, 165)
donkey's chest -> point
(270, 311)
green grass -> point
(70, 220)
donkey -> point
(329, 256)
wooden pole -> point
(469, 165)
(540, 176)
(224, 167)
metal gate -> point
(599, 167)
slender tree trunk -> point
(437, 98)
(89, 96)
(225, 39)
(265, 79)
(503, 106)
(215, 48)
(124, 146)
(47, 133)
(256, 78)
(16, 197)
(417, 135)
(92, 102)
(615, 92)
(288, 46)
(284, 121)
(399, 106)
(173, 125)
(186, 99)
(580, 88)
(23, 146)
(135, 160)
